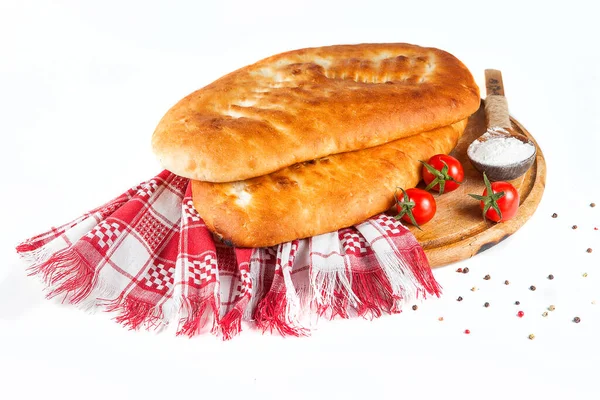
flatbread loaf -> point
(318, 196)
(311, 103)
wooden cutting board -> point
(458, 231)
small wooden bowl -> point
(507, 172)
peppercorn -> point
(532, 288)
(487, 277)
(459, 270)
(517, 302)
(577, 320)
(467, 331)
(585, 274)
(473, 289)
(440, 318)
(574, 227)
(415, 307)
(520, 314)
(550, 276)
(554, 215)
(552, 308)
(531, 336)
(486, 304)
(466, 270)
(506, 282)
(589, 250)
(545, 314)
(459, 298)
(593, 205)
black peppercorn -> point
(415, 307)
(487, 277)
(486, 304)
(593, 205)
(577, 320)
(554, 215)
(531, 287)
(589, 250)
(506, 282)
(517, 302)
(459, 298)
(574, 226)
(550, 276)
(466, 270)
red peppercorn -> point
(467, 331)
(459, 270)
(520, 314)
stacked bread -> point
(314, 140)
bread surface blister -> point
(313, 140)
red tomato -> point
(508, 204)
(417, 203)
(442, 173)
(503, 197)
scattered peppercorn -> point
(459, 298)
(551, 308)
(532, 288)
(415, 307)
(545, 314)
(585, 274)
(531, 336)
(577, 320)
(593, 205)
(589, 250)
(517, 302)
(574, 227)
(459, 270)
(506, 282)
(473, 289)
(520, 314)
(466, 270)
(550, 276)
(487, 277)
(486, 304)
(554, 215)
(440, 318)
(467, 331)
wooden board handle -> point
(496, 106)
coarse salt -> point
(500, 151)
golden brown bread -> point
(311, 103)
(319, 196)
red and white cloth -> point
(148, 256)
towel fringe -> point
(65, 272)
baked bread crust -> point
(319, 196)
(311, 103)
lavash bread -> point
(318, 196)
(308, 104)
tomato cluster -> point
(443, 173)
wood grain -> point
(458, 231)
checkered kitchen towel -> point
(148, 256)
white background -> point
(82, 86)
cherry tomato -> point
(442, 173)
(415, 206)
(501, 204)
